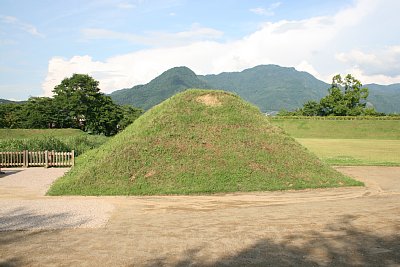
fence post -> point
(73, 157)
(25, 163)
(46, 159)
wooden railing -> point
(37, 158)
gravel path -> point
(23, 205)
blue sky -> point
(129, 42)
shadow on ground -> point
(4, 173)
(13, 262)
(341, 244)
(24, 219)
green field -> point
(351, 142)
(341, 129)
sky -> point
(122, 43)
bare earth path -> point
(330, 227)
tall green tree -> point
(82, 105)
(346, 97)
(76, 98)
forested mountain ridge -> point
(6, 101)
(385, 98)
(270, 87)
(170, 82)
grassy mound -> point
(198, 141)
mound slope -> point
(198, 141)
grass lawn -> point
(355, 151)
(337, 129)
(357, 142)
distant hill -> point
(385, 98)
(270, 87)
(6, 101)
(169, 83)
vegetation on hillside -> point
(199, 141)
(77, 103)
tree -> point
(105, 118)
(82, 105)
(311, 108)
(76, 98)
(38, 112)
(9, 115)
(346, 97)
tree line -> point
(77, 103)
(346, 97)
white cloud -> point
(195, 33)
(381, 62)
(310, 45)
(307, 67)
(266, 11)
(21, 25)
(375, 78)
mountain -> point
(170, 82)
(198, 142)
(385, 98)
(6, 101)
(270, 87)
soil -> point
(326, 227)
(209, 100)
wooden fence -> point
(37, 158)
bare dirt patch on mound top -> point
(209, 100)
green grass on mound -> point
(199, 141)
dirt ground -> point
(326, 227)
